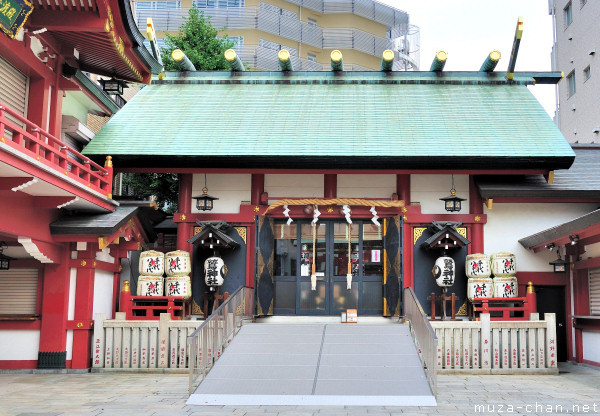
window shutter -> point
(594, 291)
(13, 89)
(18, 291)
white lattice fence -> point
(497, 347)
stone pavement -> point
(132, 394)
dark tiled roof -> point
(562, 230)
(581, 180)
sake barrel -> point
(480, 287)
(152, 263)
(505, 287)
(150, 286)
(503, 264)
(478, 265)
(444, 271)
(178, 286)
(177, 263)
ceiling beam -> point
(8, 183)
(66, 21)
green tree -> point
(164, 187)
(198, 39)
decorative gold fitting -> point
(79, 324)
(477, 218)
(182, 217)
(530, 287)
(83, 262)
(256, 209)
(108, 162)
(126, 287)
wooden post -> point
(432, 297)
(98, 356)
(125, 300)
(163, 340)
(551, 347)
(485, 341)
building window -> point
(312, 22)
(571, 83)
(157, 5)
(586, 73)
(594, 276)
(311, 57)
(568, 11)
(217, 4)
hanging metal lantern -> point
(4, 260)
(560, 265)
(452, 203)
(204, 202)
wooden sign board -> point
(13, 14)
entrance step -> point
(370, 320)
(317, 364)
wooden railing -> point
(31, 140)
(498, 347)
(123, 344)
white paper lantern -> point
(214, 271)
(444, 271)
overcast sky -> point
(468, 30)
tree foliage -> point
(198, 39)
(164, 187)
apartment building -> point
(309, 29)
(575, 52)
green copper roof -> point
(319, 120)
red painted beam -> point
(84, 304)
(66, 21)
(20, 217)
(7, 183)
(44, 202)
(159, 169)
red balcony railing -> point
(33, 141)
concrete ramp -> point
(317, 365)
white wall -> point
(72, 293)
(507, 223)
(591, 346)
(69, 344)
(19, 344)
(366, 186)
(103, 293)
(591, 251)
(231, 189)
(428, 189)
(294, 186)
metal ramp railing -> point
(206, 344)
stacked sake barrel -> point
(151, 268)
(478, 270)
(504, 269)
(178, 270)
(154, 264)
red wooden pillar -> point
(37, 111)
(475, 208)
(55, 301)
(185, 209)
(330, 186)
(56, 101)
(403, 188)
(257, 188)
(84, 306)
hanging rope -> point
(336, 201)
(313, 276)
(349, 272)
